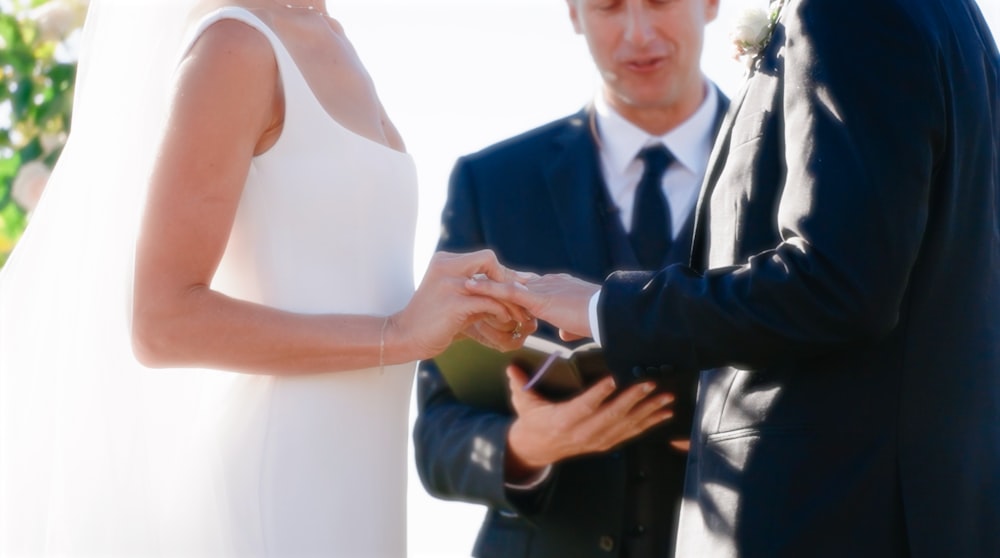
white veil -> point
(87, 436)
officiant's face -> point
(647, 51)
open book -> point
(476, 374)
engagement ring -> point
(516, 334)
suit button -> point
(666, 369)
(638, 530)
(638, 372)
(607, 543)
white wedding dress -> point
(312, 465)
(100, 456)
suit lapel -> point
(715, 164)
(680, 250)
(576, 186)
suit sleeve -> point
(460, 449)
(860, 114)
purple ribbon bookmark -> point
(541, 371)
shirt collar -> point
(690, 142)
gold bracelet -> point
(381, 346)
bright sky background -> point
(458, 75)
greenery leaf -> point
(36, 95)
(8, 171)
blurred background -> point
(454, 75)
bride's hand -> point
(443, 307)
(502, 336)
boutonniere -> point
(753, 31)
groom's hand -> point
(560, 299)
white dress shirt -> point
(620, 143)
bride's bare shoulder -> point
(231, 39)
(230, 60)
(229, 74)
(232, 42)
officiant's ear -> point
(574, 15)
(711, 10)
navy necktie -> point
(651, 230)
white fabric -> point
(85, 434)
(592, 314)
(532, 482)
(690, 142)
(101, 457)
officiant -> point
(610, 187)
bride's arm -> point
(226, 108)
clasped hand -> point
(474, 295)
(560, 299)
(444, 308)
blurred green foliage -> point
(36, 94)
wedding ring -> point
(516, 333)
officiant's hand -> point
(560, 299)
(443, 307)
(545, 432)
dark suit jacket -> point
(540, 202)
(849, 228)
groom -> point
(845, 287)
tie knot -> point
(656, 159)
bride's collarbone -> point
(334, 74)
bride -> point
(208, 328)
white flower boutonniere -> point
(753, 31)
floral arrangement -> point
(753, 31)
(37, 71)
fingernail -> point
(666, 400)
(647, 387)
(520, 286)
